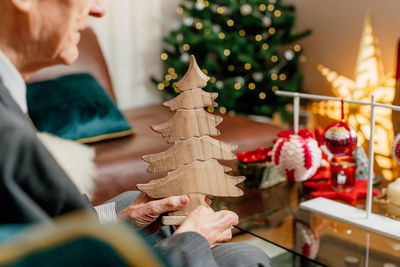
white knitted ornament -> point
(296, 156)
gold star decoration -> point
(369, 79)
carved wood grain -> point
(187, 151)
(185, 124)
(192, 99)
(199, 177)
(194, 77)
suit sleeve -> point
(33, 187)
(187, 249)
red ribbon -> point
(305, 133)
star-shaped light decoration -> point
(369, 79)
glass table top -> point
(274, 215)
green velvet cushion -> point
(75, 107)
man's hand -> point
(145, 211)
(215, 227)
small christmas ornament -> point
(199, 5)
(396, 148)
(340, 138)
(296, 155)
(246, 9)
(266, 21)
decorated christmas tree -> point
(191, 161)
(248, 45)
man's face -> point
(60, 24)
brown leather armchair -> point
(119, 162)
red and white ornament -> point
(396, 148)
(340, 139)
(297, 156)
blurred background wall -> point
(131, 36)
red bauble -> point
(396, 148)
(340, 139)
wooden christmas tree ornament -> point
(191, 161)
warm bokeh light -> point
(369, 79)
(186, 47)
(164, 56)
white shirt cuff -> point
(107, 213)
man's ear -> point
(22, 5)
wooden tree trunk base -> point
(172, 220)
(176, 217)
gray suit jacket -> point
(33, 187)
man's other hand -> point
(215, 227)
(145, 211)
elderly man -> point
(33, 188)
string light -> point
(222, 110)
(242, 33)
(274, 59)
(220, 10)
(221, 35)
(258, 37)
(171, 70)
(277, 13)
(237, 86)
(247, 66)
(174, 76)
(271, 30)
(230, 22)
(186, 47)
(164, 56)
(204, 71)
(231, 68)
(262, 95)
(179, 10)
(168, 77)
(252, 86)
(274, 76)
(227, 52)
(275, 88)
(206, 3)
(265, 46)
(160, 86)
(297, 48)
(213, 79)
(262, 7)
(166, 83)
(176, 90)
(282, 77)
(199, 26)
(210, 109)
(271, 7)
